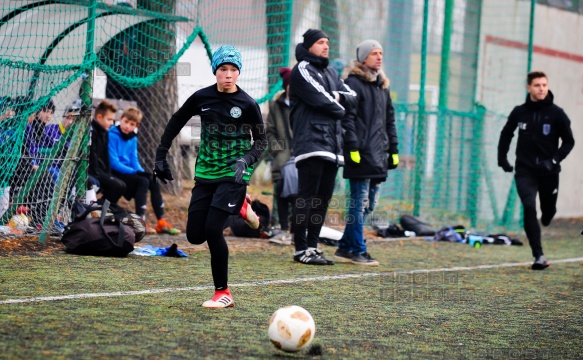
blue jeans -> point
(364, 195)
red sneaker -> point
(164, 227)
(222, 299)
(249, 215)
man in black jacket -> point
(370, 147)
(540, 125)
(319, 99)
(99, 169)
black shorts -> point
(226, 196)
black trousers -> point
(284, 204)
(111, 187)
(316, 178)
(208, 212)
(137, 187)
(547, 186)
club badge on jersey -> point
(236, 112)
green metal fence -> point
(452, 79)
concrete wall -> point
(558, 40)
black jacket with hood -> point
(98, 151)
(315, 115)
(370, 128)
(540, 126)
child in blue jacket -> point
(125, 165)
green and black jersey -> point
(231, 128)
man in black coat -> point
(370, 147)
(540, 125)
(319, 99)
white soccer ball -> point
(291, 328)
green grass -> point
(500, 313)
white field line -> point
(275, 282)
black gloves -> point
(161, 166)
(505, 165)
(239, 166)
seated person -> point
(99, 170)
(54, 132)
(125, 165)
(38, 197)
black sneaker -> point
(364, 259)
(540, 263)
(321, 254)
(342, 256)
(311, 258)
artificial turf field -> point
(426, 301)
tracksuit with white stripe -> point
(315, 118)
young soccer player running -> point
(232, 140)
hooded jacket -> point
(98, 152)
(123, 151)
(540, 126)
(370, 127)
(279, 135)
(315, 115)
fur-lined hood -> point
(358, 69)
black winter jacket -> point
(540, 126)
(98, 152)
(315, 115)
(370, 128)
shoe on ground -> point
(343, 256)
(281, 238)
(150, 230)
(164, 227)
(310, 257)
(221, 299)
(321, 254)
(546, 219)
(364, 259)
(540, 263)
(249, 215)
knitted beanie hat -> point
(313, 35)
(226, 54)
(365, 48)
(285, 75)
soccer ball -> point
(291, 328)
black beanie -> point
(311, 36)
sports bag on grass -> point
(421, 228)
(105, 235)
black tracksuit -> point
(315, 118)
(540, 126)
(99, 167)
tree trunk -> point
(159, 101)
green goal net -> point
(456, 70)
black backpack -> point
(102, 230)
